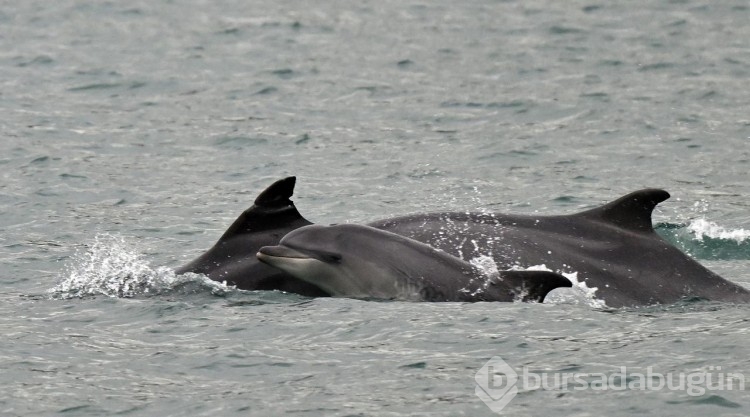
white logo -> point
(496, 384)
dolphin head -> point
(339, 259)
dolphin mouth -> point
(269, 252)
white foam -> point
(486, 264)
(112, 267)
(488, 268)
(703, 228)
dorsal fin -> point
(277, 194)
(272, 209)
(534, 285)
(632, 212)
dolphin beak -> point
(268, 253)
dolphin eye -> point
(328, 257)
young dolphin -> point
(358, 261)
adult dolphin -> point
(613, 248)
(232, 259)
(350, 260)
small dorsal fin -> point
(632, 212)
(534, 285)
(272, 209)
(277, 194)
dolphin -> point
(232, 259)
(612, 248)
(357, 261)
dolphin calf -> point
(612, 248)
(232, 259)
(350, 260)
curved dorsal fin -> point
(277, 194)
(632, 212)
(272, 209)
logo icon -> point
(496, 384)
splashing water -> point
(112, 267)
(486, 264)
(703, 229)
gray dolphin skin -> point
(358, 261)
(613, 248)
